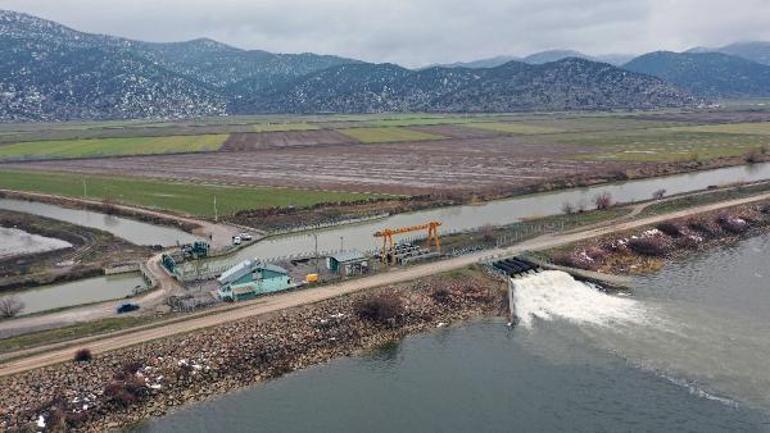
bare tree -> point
(10, 306)
(603, 201)
(487, 232)
(659, 194)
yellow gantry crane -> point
(388, 245)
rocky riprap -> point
(123, 387)
(645, 250)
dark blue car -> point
(127, 307)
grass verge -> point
(180, 197)
(99, 147)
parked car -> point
(236, 240)
(245, 236)
(127, 307)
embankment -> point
(646, 249)
(126, 386)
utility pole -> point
(315, 238)
(85, 190)
(342, 243)
(216, 212)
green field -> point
(762, 128)
(514, 128)
(184, 198)
(283, 127)
(421, 121)
(88, 148)
(387, 134)
(662, 144)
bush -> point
(732, 225)
(765, 209)
(10, 306)
(702, 227)
(125, 391)
(487, 232)
(651, 246)
(567, 208)
(671, 229)
(603, 201)
(442, 295)
(382, 308)
(574, 260)
(754, 155)
(83, 355)
(659, 194)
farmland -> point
(181, 197)
(90, 148)
(387, 134)
(406, 154)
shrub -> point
(669, 228)
(753, 155)
(567, 208)
(579, 260)
(83, 355)
(441, 295)
(659, 194)
(125, 391)
(702, 227)
(765, 209)
(382, 308)
(732, 225)
(652, 246)
(10, 306)
(603, 201)
(487, 233)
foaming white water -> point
(552, 295)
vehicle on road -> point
(237, 240)
(127, 307)
(245, 236)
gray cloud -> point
(419, 32)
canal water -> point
(501, 212)
(15, 242)
(687, 352)
(134, 231)
(79, 292)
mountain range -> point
(51, 73)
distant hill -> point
(755, 51)
(515, 86)
(482, 63)
(553, 56)
(50, 72)
(541, 58)
(706, 74)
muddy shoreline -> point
(91, 251)
(122, 388)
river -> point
(688, 351)
(133, 231)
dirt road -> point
(294, 299)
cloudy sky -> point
(420, 32)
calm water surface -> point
(688, 352)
